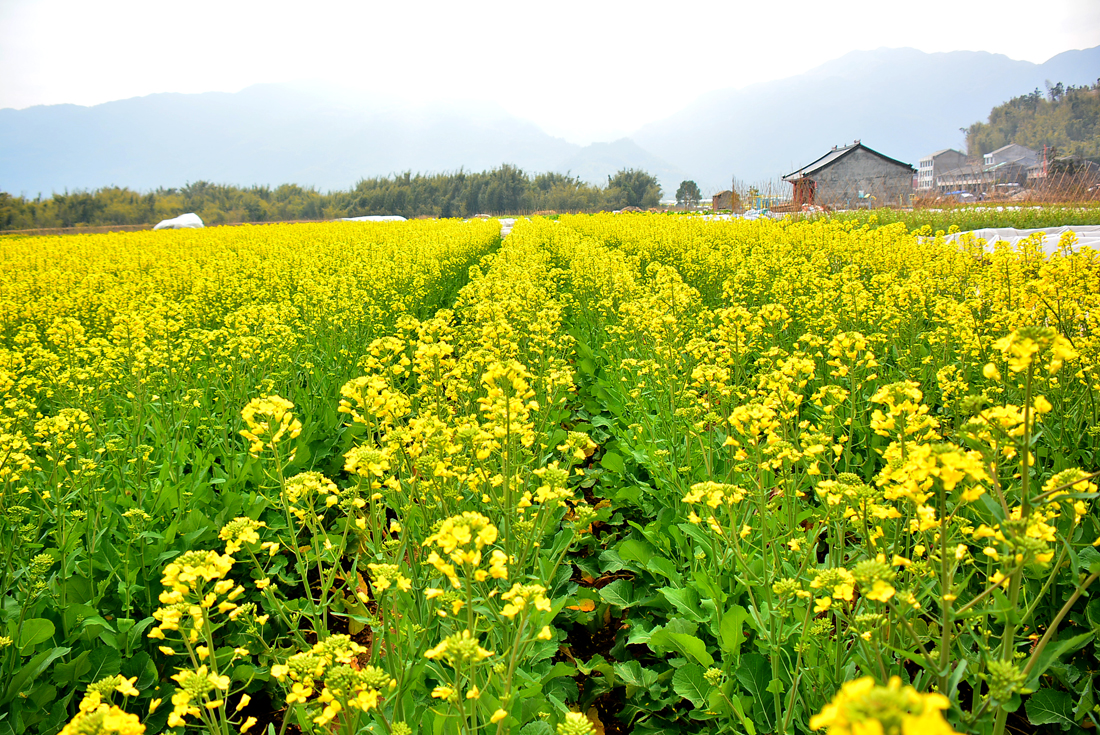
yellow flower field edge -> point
(848, 450)
(125, 364)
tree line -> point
(1066, 118)
(503, 190)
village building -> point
(724, 200)
(1011, 153)
(850, 177)
(1008, 166)
(937, 164)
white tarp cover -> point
(1088, 236)
(374, 218)
(751, 214)
(178, 223)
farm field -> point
(612, 474)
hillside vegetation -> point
(1067, 118)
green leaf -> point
(1090, 557)
(665, 567)
(731, 635)
(619, 593)
(1092, 611)
(755, 675)
(688, 645)
(68, 673)
(614, 462)
(136, 630)
(598, 664)
(633, 674)
(639, 634)
(679, 625)
(97, 620)
(1085, 702)
(697, 533)
(33, 632)
(686, 602)
(141, 665)
(610, 561)
(1053, 651)
(633, 550)
(956, 677)
(33, 669)
(691, 684)
(559, 669)
(740, 712)
(104, 661)
(1050, 707)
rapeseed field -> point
(617, 473)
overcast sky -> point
(586, 70)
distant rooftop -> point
(835, 155)
(941, 152)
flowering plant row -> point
(843, 451)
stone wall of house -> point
(839, 185)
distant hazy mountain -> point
(594, 163)
(280, 133)
(266, 134)
(901, 102)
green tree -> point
(503, 190)
(634, 188)
(1067, 118)
(688, 195)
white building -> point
(936, 164)
(1012, 153)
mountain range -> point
(901, 102)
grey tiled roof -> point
(835, 155)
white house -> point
(1012, 153)
(936, 164)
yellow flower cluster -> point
(459, 649)
(194, 590)
(862, 707)
(187, 573)
(240, 531)
(330, 670)
(462, 538)
(372, 401)
(713, 495)
(103, 719)
(927, 464)
(1021, 347)
(385, 576)
(268, 420)
(197, 690)
(309, 493)
(907, 416)
(524, 596)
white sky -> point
(582, 69)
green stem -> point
(1057, 620)
(797, 667)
